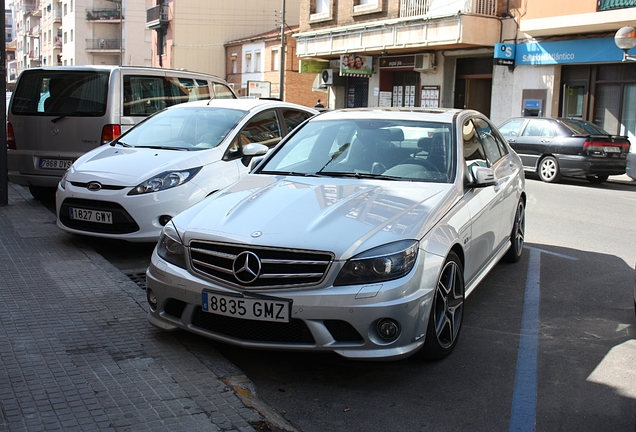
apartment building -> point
(191, 34)
(566, 63)
(430, 53)
(253, 68)
(81, 32)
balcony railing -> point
(615, 4)
(412, 8)
(102, 14)
(102, 44)
(157, 17)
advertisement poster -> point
(355, 65)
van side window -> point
(143, 95)
(221, 91)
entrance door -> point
(474, 94)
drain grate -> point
(139, 278)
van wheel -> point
(42, 194)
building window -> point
(71, 35)
(248, 62)
(275, 59)
(65, 11)
(71, 3)
(320, 10)
(257, 61)
(65, 40)
(234, 64)
(366, 6)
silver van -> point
(57, 114)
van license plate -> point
(257, 309)
(91, 215)
(55, 163)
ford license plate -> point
(250, 308)
(55, 163)
(90, 215)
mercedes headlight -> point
(170, 247)
(383, 263)
(165, 180)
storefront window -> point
(629, 113)
(607, 107)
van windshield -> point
(59, 93)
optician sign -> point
(566, 52)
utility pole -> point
(281, 79)
(4, 184)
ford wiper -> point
(165, 148)
(121, 143)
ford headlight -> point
(63, 181)
(170, 247)
(384, 263)
(165, 180)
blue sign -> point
(504, 54)
(532, 104)
(598, 50)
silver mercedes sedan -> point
(361, 233)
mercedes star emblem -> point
(246, 267)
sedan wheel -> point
(597, 179)
(549, 170)
(517, 235)
(447, 311)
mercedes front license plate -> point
(250, 308)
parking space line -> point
(524, 397)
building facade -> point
(567, 64)
(81, 32)
(430, 53)
(191, 34)
(253, 68)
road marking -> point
(524, 397)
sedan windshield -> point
(379, 149)
(192, 128)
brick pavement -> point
(77, 353)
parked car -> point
(630, 168)
(356, 235)
(130, 188)
(556, 147)
(59, 113)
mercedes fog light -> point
(388, 329)
(152, 298)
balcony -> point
(422, 24)
(103, 15)
(103, 45)
(157, 17)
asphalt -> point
(77, 352)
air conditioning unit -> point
(424, 62)
(326, 77)
(102, 43)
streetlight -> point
(625, 39)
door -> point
(537, 136)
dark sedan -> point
(556, 147)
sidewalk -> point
(77, 353)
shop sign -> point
(259, 89)
(313, 66)
(397, 62)
(597, 50)
(504, 54)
